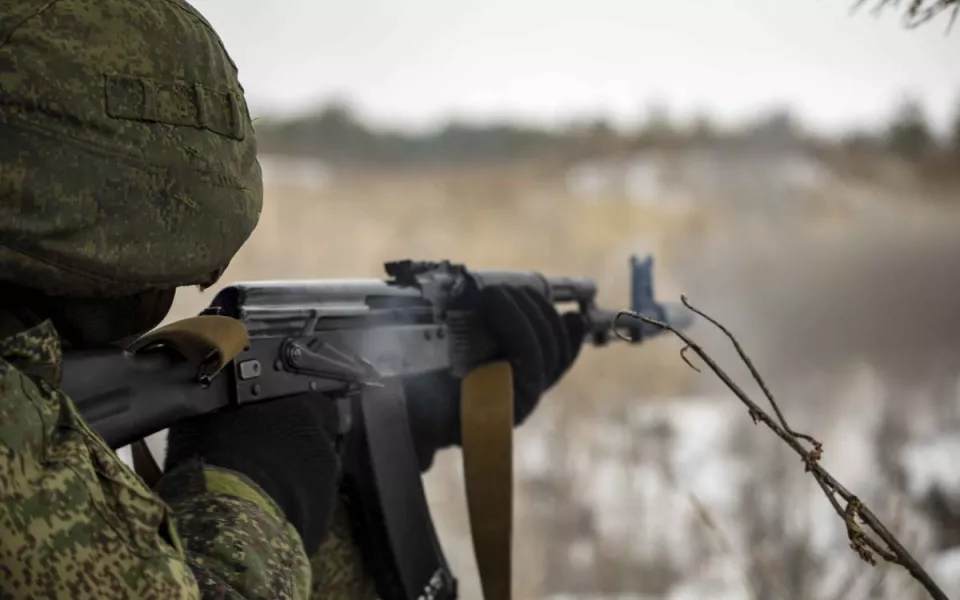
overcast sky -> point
(418, 62)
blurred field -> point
(616, 531)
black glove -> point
(532, 336)
(282, 445)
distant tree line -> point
(336, 134)
(910, 136)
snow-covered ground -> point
(678, 479)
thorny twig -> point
(852, 579)
(854, 513)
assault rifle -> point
(355, 341)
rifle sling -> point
(486, 420)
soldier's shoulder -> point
(33, 351)
(28, 410)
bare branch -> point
(854, 513)
(753, 371)
(915, 12)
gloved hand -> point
(532, 336)
(282, 445)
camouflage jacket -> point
(76, 522)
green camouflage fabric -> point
(75, 522)
(128, 160)
(338, 569)
(236, 539)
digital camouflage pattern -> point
(128, 159)
(236, 539)
(337, 567)
(78, 523)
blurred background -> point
(794, 167)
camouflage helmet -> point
(127, 155)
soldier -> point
(128, 169)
